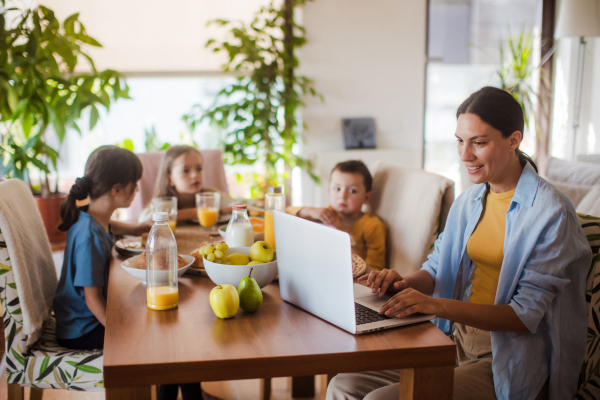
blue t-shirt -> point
(86, 263)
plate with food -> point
(130, 245)
(136, 265)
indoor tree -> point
(259, 113)
(40, 89)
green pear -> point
(251, 297)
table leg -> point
(129, 393)
(427, 383)
(303, 386)
(325, 379)
(265, 388)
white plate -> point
(131, 245)
(129, 266)
(257, 236)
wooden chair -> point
(43, 364)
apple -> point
(254, 263)
(225, 301)
(262, 251)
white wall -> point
(368, 60)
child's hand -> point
(324, 215)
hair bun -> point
(81, 188)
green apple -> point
(225, 301)
(251, 297)
(262, 251)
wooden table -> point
(190, 344)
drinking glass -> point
(168, 205)
(208, 208)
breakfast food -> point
(359, 266)
(141, 263)
(198, 259)
(144, 238)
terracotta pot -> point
(49, 207)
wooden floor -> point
(230, 390)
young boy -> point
(349, 188)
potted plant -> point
(258, 114)
(41, 94)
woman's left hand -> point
(413, 301)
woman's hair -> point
(106, 167)
(497, 108)
(163, 187)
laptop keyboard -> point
(365, 315)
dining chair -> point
(589, 379)
(213, 177)
(27, 286)
(414, 205)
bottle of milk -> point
(239, 231)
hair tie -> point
(81, 188)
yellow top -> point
(367, 236)
(486, 247)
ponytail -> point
(524, 159)
(68, 209)
(106, 166)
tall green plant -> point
(517, 70)
(258, 114)
(40, 89)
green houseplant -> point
(41, 92)
(258, 114)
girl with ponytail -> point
(110, 182)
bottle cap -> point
(239, 207)
(160, 216)
(276, 189)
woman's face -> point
(186, 173)
(483, 150)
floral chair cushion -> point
(46, 365)
(589, 380)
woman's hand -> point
(384, 280)
(412, 301)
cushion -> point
(590, 204)
(589, 380)
(46, 365)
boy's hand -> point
(324, 215)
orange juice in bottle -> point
(274, 200)
(161, 265)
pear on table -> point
(251, 297)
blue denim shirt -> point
(543, 274)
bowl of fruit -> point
(228, 265)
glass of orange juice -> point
(208, 208)
(168, 205)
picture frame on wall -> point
(359, 133)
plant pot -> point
(49, 207)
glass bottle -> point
(161, 265)
(239, 231)
(274, 200)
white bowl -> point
(129, 266)
(222, 274)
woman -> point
(507, 275)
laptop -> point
(314, 263)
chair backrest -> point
(27, 273)
(589, 380)
(414, 205)
(213, 177)
(580, 181)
